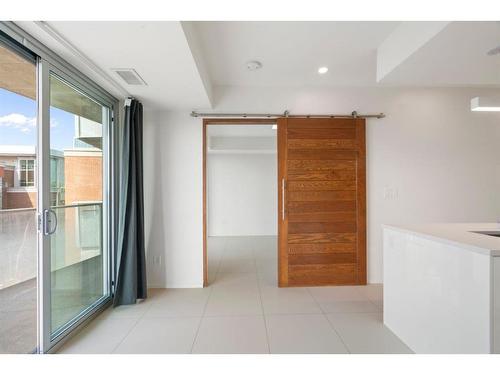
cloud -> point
(21, 122)
(18, 121)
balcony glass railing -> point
(17, 246)
(76, 270)
(76, 261)
(18, 264)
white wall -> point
(173, 199)
(242, 194)
(441, 159)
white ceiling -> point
(181, 61)
(456, 56)
(292, 52)
(158, 51)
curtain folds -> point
(130, 283)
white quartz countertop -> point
(461, 234)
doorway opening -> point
(320, 190)
(240, 200)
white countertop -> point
(460, 234)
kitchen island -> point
(442, 286)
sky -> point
(18, 122)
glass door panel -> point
(55, 199)
(18, 203)
(78, 246)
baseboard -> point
(243, 235)
(182, 286)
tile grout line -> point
(368, 299)
(201, 320)
(374, 302)
(217, 268)
(329, 322)
(261, 303)
(294, 313)
(128, 333)
(206, 302)
(100, 318)
(220, 259)
(260, 298)
(378, 309)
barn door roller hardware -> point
(353, 114)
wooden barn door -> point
(322, 202)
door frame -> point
(221, 121)
(46, 62)
(48, 340)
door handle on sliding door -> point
(283, 199)
(47, 213)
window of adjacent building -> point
(26, 172)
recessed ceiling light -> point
(323, 70)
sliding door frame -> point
(26, 41)
(220, 121)
(43, 195)
(49, 338)
(50, 63)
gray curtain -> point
(131, 258)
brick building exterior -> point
(19, 199)
(13, 194)
(78, 181)
(83, 176)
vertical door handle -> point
(47, 214)
(283, 199)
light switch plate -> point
(390, 193)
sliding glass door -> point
(77, 178)
(56, 196)
(75, 236)
(18, 202)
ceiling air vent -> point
(130, 76)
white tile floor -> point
(243, 311)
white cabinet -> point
(440, 295)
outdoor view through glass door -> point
(18, 202)
(78, 244)
(56, 234)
